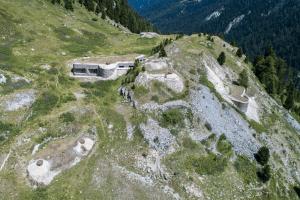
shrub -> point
(44, 104)
(162, 53)
(262, 156)
(208, 165)
(257, 126)
(243, 78)
(172, 117)
(208, 126)
(297, 190)
(245, 168)
(155, 98)
(222, 58)
(67, 117)
(7, 130)
(189, 143)
(239, 52)
(264, 174)
(223, 146)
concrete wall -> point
(85, 69)
(242, 106)
(104, 71)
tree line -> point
(117, 10)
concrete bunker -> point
(108, 69)
(240, 96)
(41, 171)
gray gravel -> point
(19, 100)
(224, 120)
(292, 122)
(152, 106)
(157, 137)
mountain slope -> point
(167, 129)
(253, 24)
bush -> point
(67, 117)
(162, 53)
(188, 143)
(223, 146)
(243, 78)
(264, 174)
(208, 165)
(239, 52)
(222, 58)
(245, 168)
(257, 126)
(172, 117)
(297, 190)
(6, 131)
(44, 104)
(262, 156)
(155, 98)
(208, 126)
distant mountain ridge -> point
(254, 25)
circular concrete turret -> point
(39, 163)
(81, 141)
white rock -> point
(2, 79)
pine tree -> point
(222, 58)
(89, 4)
(69, 5)
(56, 2)
(289, 102)
(239, 52)
(98, 9)
(243, 78)
(162, 52)
(264, 174)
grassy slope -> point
(35, 33)
(54, 36)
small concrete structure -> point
(84, 146)
(42, 171)
(39, 172)
(239, 97)
(149, 35)
(106, 70)
(102, 70)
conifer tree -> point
(239, 52)
(222, 58)
(69, 5)
(162, 52)
(243, 78)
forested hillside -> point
(117, 10)
(254, 25)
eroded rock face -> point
(224, 120)
(18, 100)
(157, 64)
(42, 171)
(158, 138)
(172, 81)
